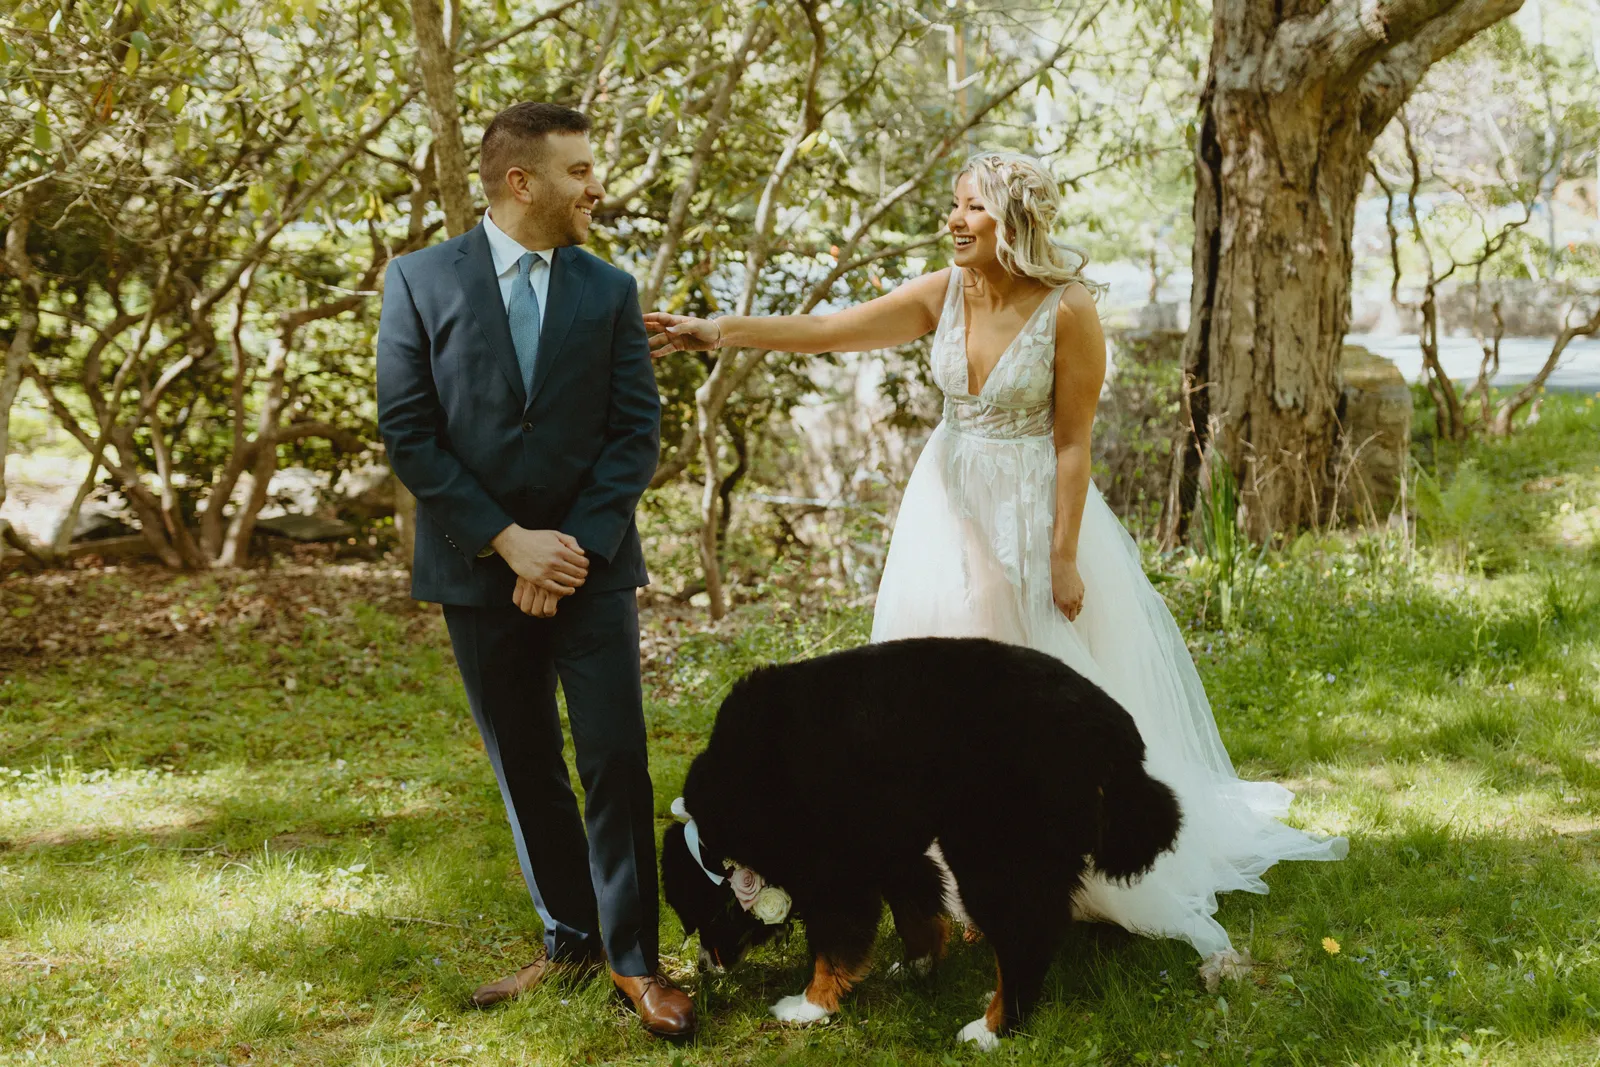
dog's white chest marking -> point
(798, 1010)
(978, 1032)
(952, 892)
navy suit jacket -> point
(479, 453)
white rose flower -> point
(746, 885)
(771, 905)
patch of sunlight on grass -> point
(1359, 799)
(64, 806)
(61, 806)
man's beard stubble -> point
(560, 221)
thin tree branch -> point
(1388, 82)
(485, 47)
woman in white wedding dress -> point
(1002, 534)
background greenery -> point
(199, 197)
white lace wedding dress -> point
(970, 556)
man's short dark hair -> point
(516, 138)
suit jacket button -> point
(527, 427)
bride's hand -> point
(680, 333)
(1066, 586)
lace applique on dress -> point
(1014, 409)
(1017, 399)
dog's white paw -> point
(978, 1032)
(709, 964)
(798, 1010)
(920, 967)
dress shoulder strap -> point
(1055, 305)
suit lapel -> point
(475, 271)
(568, 274)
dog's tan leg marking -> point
(830, 981)
(995, 1017)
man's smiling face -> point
(566, 188)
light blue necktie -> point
(522, 313)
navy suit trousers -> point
(597, 894)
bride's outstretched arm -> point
(896, 318)
(1080, 369)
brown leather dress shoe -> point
(665, 1010)
(528, 979)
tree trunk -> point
(183, 542)
(710, 556)
(119, 437)
(437, 61)
(145, 504)
(449, 157)
(1296, 94)
(213, 520)
(1271, 296)
(57, 549)
(608, 38)
(236, 547)
(708, 403)
(18, 354)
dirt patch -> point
(299, 840)
(47, 617)
(1577, 826)
(50, 616)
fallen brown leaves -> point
(48, 616)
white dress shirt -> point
(506, 251)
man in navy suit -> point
(517, 401)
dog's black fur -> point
(832, 776)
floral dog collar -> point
(769, 903)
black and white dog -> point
(833, 784)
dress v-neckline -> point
(966, 358)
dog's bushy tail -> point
(1139, 820)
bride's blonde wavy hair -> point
(1025, 200)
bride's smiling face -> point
(973, 228)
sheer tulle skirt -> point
(970, 556)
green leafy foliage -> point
(1228, 562)
(212, 189)
(1456, 516)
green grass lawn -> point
(247, 820)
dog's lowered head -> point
(726, 930)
